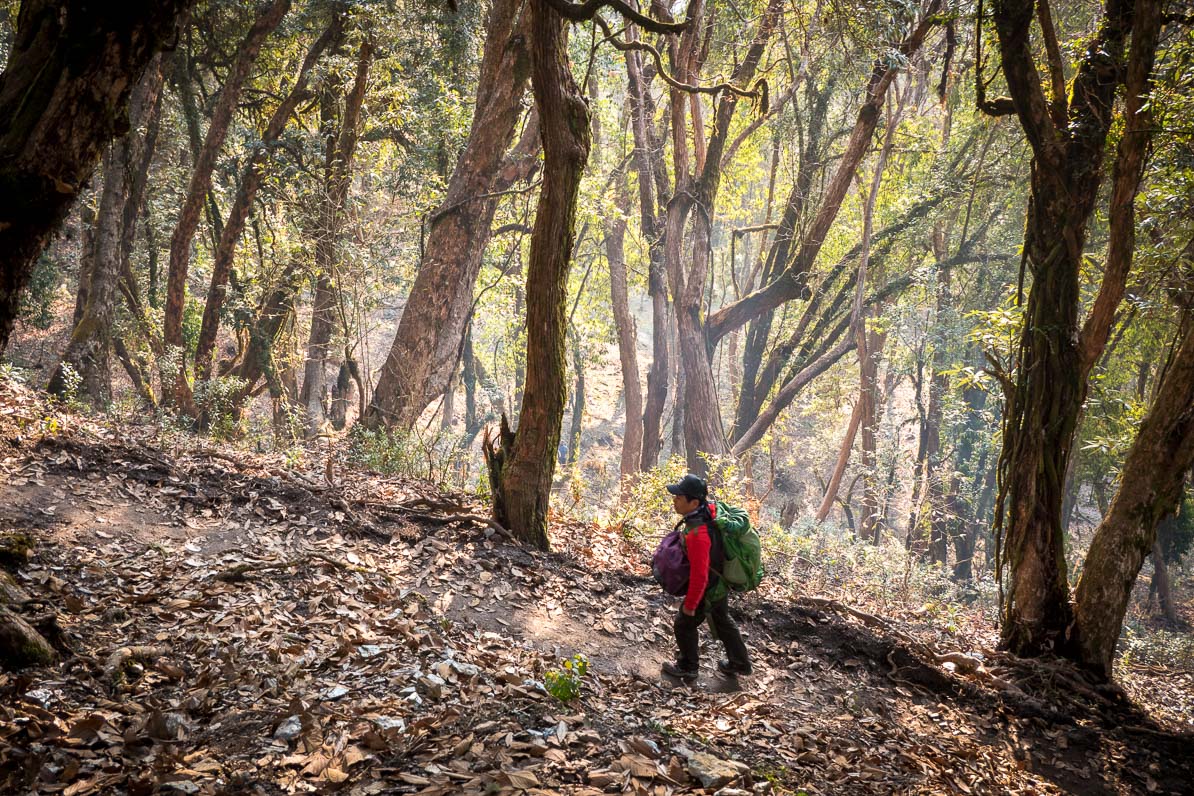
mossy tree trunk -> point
(522, 468)
(1055, 356)
(63, 96)
(88, 353)
(1150, 489)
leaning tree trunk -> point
(63, 97)
(1150, 489)
(88, 353)
(521, 471)
(251, 177)
(430, 333)
(188, 218)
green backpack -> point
(743, 568)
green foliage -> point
(565, 684)
(647, 507)
(441, 459)
(38, 297)
(217, 398)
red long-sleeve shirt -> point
(698, 545)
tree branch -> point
(583, 12)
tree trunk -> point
(791, 282)
(521, 471)
(871, 523)
(752, 394)
(274, 313)
(468, 375)
(839, 467)
(632, 436)
(1050, 376)
(431, 330)
(1150, 489)
(578, 404)
(250, 180)
(704, 435)
(935, 417)
(188, 218)
(1161, 584)
(962, 514)
(88, 353)
(339, 149)
(63, 96)
(652, 187)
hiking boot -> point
(681, 671)
(731, 669)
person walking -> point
(707, 594)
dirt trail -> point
(345, 662)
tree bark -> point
(839, 467)
(521, 470)
(1150, 489)
(755, 390)
(704, 435)
(578, 404)
(88, 353)
(339, 149)
(250, 180)
(1042, 408)
(1161, 584)
(269, 17)
(431, 330)
(63, 96)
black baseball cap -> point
(690, 486)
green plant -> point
(72, 380)
(441, 458)
(564, 684)
(217, 397)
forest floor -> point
(233, 626)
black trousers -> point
(688, 641)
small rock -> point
(335, 692)
(711, 771)
(388, 723)
(732, 792)
(289, 729)
(432, 685)
(465, 670)
(178, 786)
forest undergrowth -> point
(229, 622)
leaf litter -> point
(233, 627)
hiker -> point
(707, 594)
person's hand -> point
(687, 611)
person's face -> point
(683, 504)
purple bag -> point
(669, 565)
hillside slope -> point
(229, 626)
